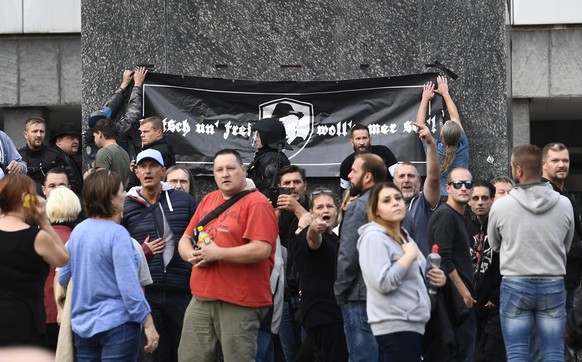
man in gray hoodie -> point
(532, 230)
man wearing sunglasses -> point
(446, 228)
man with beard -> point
(556, 166)
(361, 142)
(446, 228)
(350, 289)
(532, 229)
(489, 343)
(38, 157)
(66, 143)
(420, 204)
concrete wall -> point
(546, 63)
(330, 39)
(37, 73)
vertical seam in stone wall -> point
(59, 70)
(419, 25)
(509, 87)
(166, 36)
(550, 45)
(18, 89)
(22, 19)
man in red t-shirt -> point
(230, 279)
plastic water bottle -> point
(203, 236)
(434, 259)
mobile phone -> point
(30, 201)
(274, 193)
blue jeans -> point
(290, 330)
(362, 344)
(118, 344)
(528, 303)
(265, 347)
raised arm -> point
(443, 90)
(427, 95)
(118, 98)
(133, 111)
(314, 233)
(431, 188)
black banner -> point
(202, 116)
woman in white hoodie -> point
(398, 304)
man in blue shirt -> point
(10, 160)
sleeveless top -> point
(22, 276)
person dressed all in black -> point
(270, 138)
(66, 143)
(38, 157)
(315, 258)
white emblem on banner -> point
(296, 116)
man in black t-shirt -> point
(446, 228)
(361, 142)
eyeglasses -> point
(458, 184)
(317, 192)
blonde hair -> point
(62, 205)
(450, 136)
(345, 198)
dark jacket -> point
(74, 172)
(40, 161)
(485, 265)
(573, 337)
(350, 286)
(165, 149)
(178, 208)
(574, 257)
(128, 134)
(438, 342)
(263, 169)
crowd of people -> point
(122, 263)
